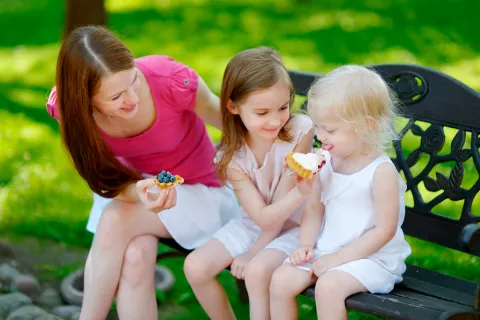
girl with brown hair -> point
(122, 121)
(258, 132)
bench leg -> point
(242, 291)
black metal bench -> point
(433, 102)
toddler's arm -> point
(310, 226)
(312, 216)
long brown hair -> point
(248, 71)
(86, 56)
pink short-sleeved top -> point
(178, 140)
(267, 176)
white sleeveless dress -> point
(350, 213)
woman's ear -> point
(231, 107)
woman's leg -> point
(287, 282)
(331, 291)
(201, 269)
(258, 275)
(119, 224)
(136, 290)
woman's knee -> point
(113, 224)
(139, 261)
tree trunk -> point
(84, 12)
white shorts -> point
(239, 235)
(199, 212)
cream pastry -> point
(305, 165)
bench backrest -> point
(438, 153)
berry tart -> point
(165, 180)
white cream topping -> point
(309, 161)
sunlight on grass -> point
(302, 60)
(127, 5)
(41, 187)
(32, 65)
(435, 257)
(466, 70)
(400, 55)
(349, 21)
(27, 97)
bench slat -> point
(433, 290)
(401, 304)
(431, 302)
(424, 294)
(387, 305)
(440, 279)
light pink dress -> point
(239, 235)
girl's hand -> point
(324, 263)
(301, 255)
(237, 269)
(305, 186)
(166, 198)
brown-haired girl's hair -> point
(87, 55)
(248, 71)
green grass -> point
(40, 192)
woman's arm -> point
(285, 200)
(385, 196)
(207, 106)
(134, 192)
(129, 194)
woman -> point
(124, 119)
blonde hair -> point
(249, 71)
(358, 92)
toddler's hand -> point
(301, 255)
(324, 263)
(237, 269)
(166, 198)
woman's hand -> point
(167, 198)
